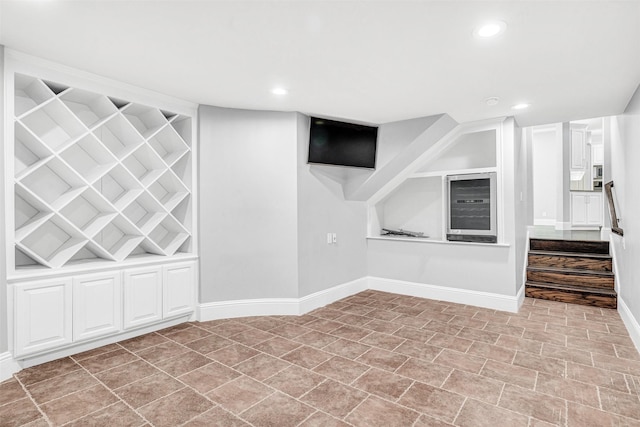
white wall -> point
(322, 209)
(625, 154)
(3, 268)
(248, 204)
(546, 149)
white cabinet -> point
(586, 208)
(178, 289)
(42, 315)
(597, 154)
(142, 296)
(578, 147)
(97, 306)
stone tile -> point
(216, 417)
(414, 334)
(554, 320)
(537, 405)
(334, 398)
(624, 404)
(423, 371)
(587, 324)
(474, 386)
(61, 385)
(162, 352)
(347, 348)
(478, 335)
(383, 384)
(539, 363)
(434, 401)
(78, 404)
(47, 370)
(520, 344)
(239, 394)
(184, 363)
(498, 317)
(208, 344)
(146, 390)
(450, 342)
(591, 346)
(493, 352)
(528, 325)
(144, 341)
(307, 357)
(427, 421)
(443, 327)
(625, 352)
(96, 351)
(381, 313)
(175, 328)
(18, 413)
(265, 323)
(468, 322)
(599, 377)
(350, 332)
(419, 350)
(617, 328)
(315, 339)
(226, 329)
(323, 325)
(341, 369)
(261, 366)
(294, 381)
(233, 354)
(357, 309)
(251, 337)
(375, 412)
(382, 359)
(412, 321)
(331, 314)
(565, 353)
(209, 377)
(479, 414)
(117, 414)
(10, 391)
(382, 326)
(515, 331)
(354, 319)
(186, 335)
(127, 373)
(583, 416)
(278, 410)
(176, 408)
(107, 361)
(510, 374)
(624, 366)
(564, 388)
(320, 419)
(545, 337)
(382, 340)
(461, 361)
(289, 330)
(277, 346)
(568, 331)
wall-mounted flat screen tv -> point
(342, 144)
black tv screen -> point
(342, 144)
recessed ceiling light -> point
(279, 91)
(490, 29)
(492, 101)
(520, 106)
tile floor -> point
(372, 359)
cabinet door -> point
(598, 154)
(178, 289)
(594, 209)
(578, 146)
(97, 305)
(578, 209)
(142, 296)
(42, 316)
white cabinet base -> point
(97, 305)
(179, 297)
(142, 296)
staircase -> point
(571, 271)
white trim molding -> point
(630, 322)
(298, 306)
(8, 366)
(444, 293)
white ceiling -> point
(371, 61)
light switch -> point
(329, 238)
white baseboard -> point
(279, 306)
(538, 221)
(442, 293)
(8, 366)
(563, 226)
(630, 322)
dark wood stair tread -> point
(559, 245)
(569, 288)
(570, 254)
(571, 271)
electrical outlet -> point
(334, 237)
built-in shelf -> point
(97, 178)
